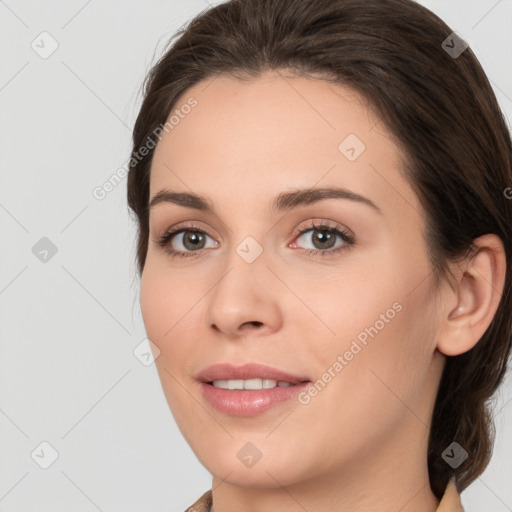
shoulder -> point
(203, 504)
(450, 502)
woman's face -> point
(353, 314)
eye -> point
(323, 238)
(190, 240)
(185, 241)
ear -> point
(473, 300)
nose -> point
(246, 298)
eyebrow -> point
(283, 202)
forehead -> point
(274, 132)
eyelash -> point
(347, 238)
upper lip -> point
(226, 371)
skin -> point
(361, 443)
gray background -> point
(69, 325)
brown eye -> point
(185, 241)
(193, 240)
(323, 238)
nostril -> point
(249, 324)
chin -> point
(233, 464)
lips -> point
(226, 371)
(248, 402)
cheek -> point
(154, 302)
(171, 309)
(371, 397)
(382, 348)
(163, 304)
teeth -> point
(250, 384)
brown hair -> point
(444, 117)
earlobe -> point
(477, 294)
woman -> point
(325, 250)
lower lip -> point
(249, 402)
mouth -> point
(248, 390)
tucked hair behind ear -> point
(444, 117)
